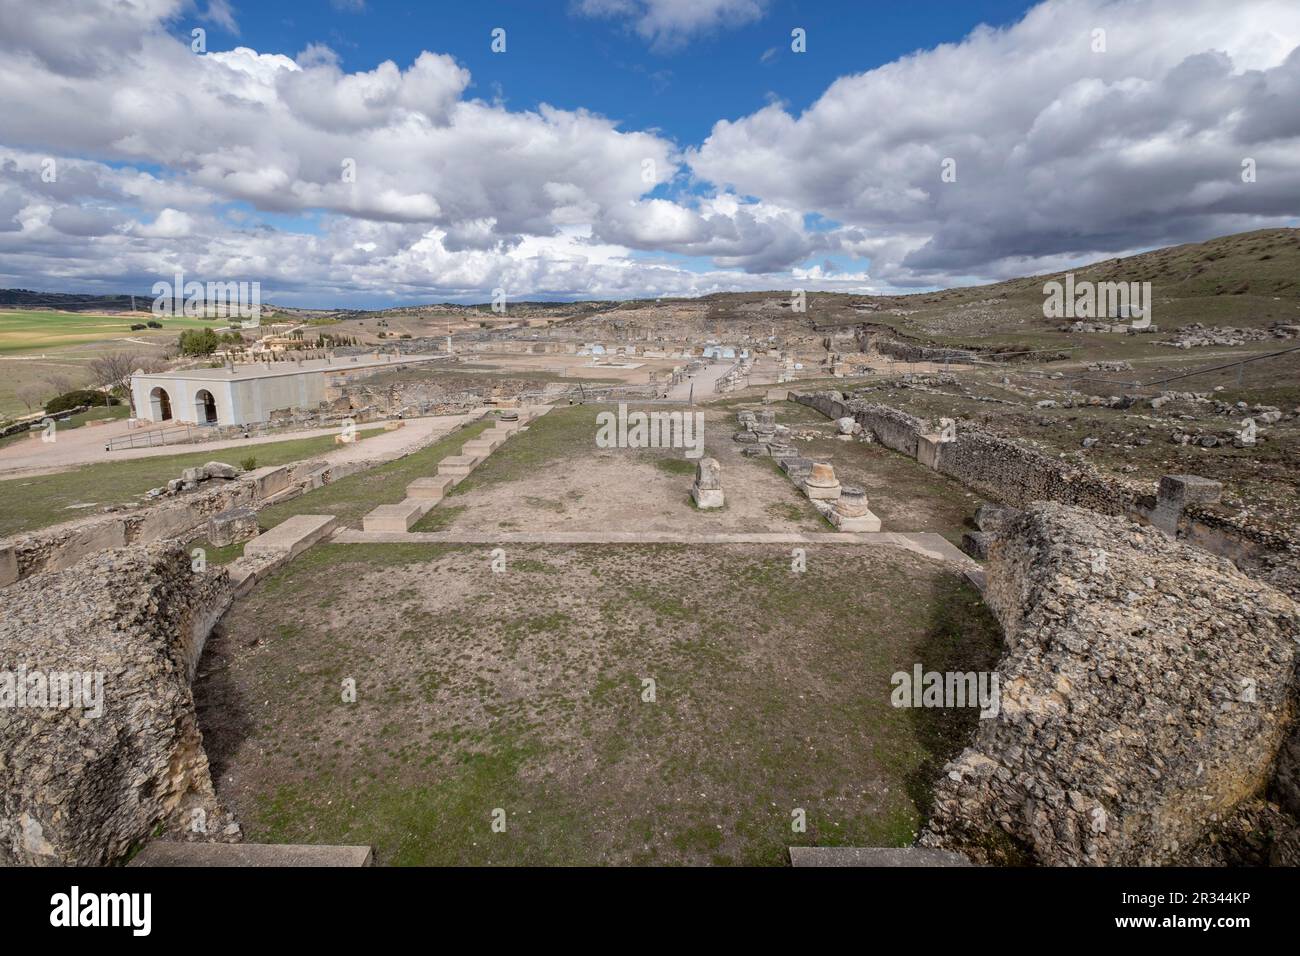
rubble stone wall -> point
(1017, 475)
(1142, 696)
(79, 789)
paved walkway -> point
(926, 543)
(703, 381)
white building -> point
(246, 394)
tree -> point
(114, 369)
(202, 341)
(33, 395)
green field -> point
(31, 331)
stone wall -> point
(79, 789)
(999, 468)
(1009, 472)
(1146, 690)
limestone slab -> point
(890, 856)
(293, 536)
(164, 853)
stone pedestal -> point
(821, 483)
(850, 512)
(707, 490)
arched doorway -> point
(161, 404)
(205, 408)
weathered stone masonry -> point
(81, 790)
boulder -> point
(218, 469)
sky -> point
(366, 153)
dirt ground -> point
(525, 692)
(585, 488)
(554, 478)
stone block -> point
(219, 469)
(193, 475)
(1184, 490)
(398, 517)
(394, 426)
(457, 467)
(429, 489)
(887, 856)
(293, 536)
(231, 526)
(166, 853)
(855, 523)
(269, 481)
(927, 450)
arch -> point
(160, 403)
(205, 407)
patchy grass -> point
(567, 432)
(43, 500)
(676, 466)
(352, 498)
(526, 691)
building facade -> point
(248, 394)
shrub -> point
(249, 463)
(153, 324)
(81, 396)
(136, 327)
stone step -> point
(430, 488)
(398, 517)
(165, 853)
(293, 536)
(802, 856)
(457, 466)
(479, 449)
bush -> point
(249, 463)
(81, 396)
(138, 326)
(153, 324)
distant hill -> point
(70, 302)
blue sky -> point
(557, 56)
(632, 148)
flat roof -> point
(254, 370)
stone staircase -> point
(423, 494)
